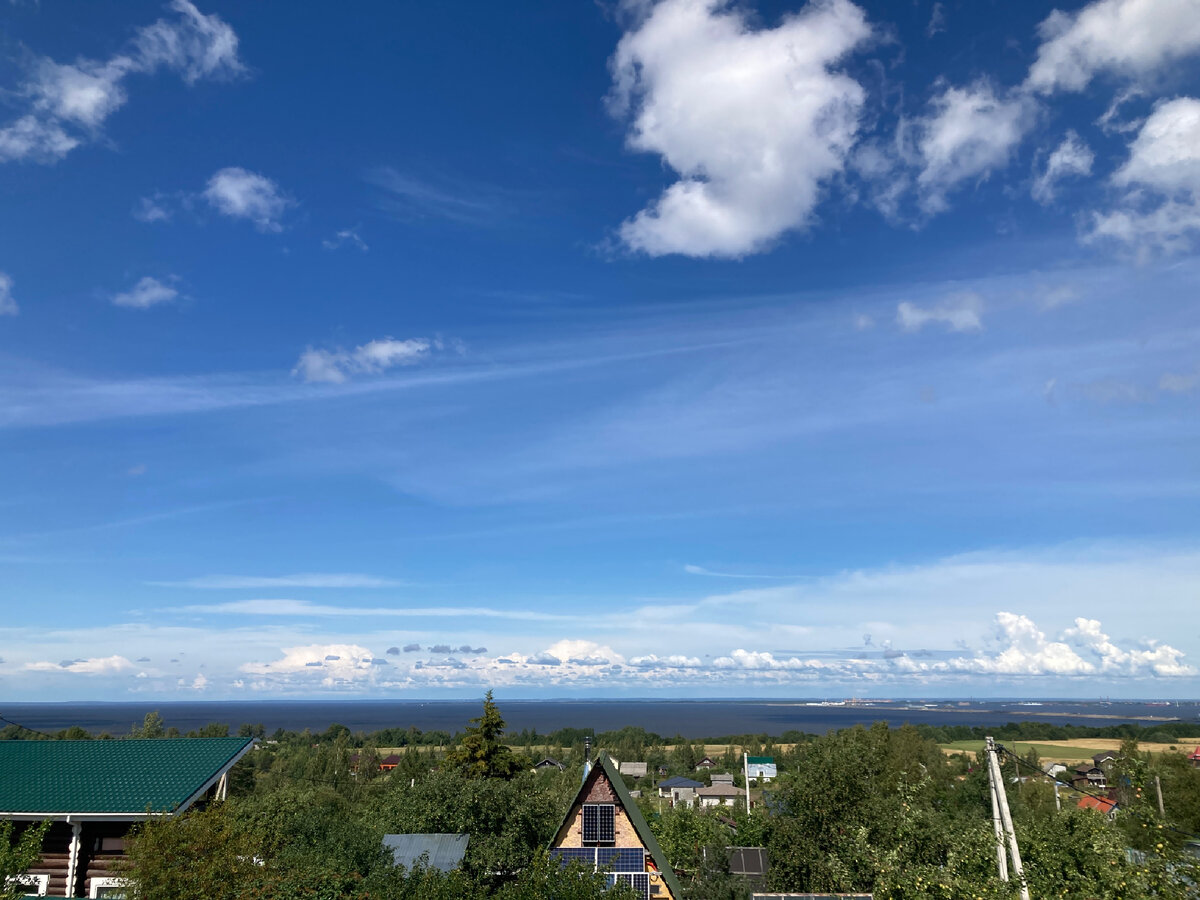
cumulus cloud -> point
(961, 312)
(1160, 207)
(1132, 38)
(966, 135)
(8, 304)
(242, 194)
(68, 103)
(754, 121)
(146, 293)
(544, 659)
(441, 648)
(371, 358)
(1158, 659)
(1028, 652)
(331, 665)
(412, 648)
(105, 665)
(393, 651)
(1070, 158)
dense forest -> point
(879, 809)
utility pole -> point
(746, 772)
(1006, 816)
(1001, 853)
(1158, 790)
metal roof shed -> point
(443, 852)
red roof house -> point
(1100, 804)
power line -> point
(1020, 762)
(26, 728)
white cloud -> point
(1161, 205)
(1128, 37)
(330, 665)
(1158, 659)
(83, 94)
(36, 140)
(106, 665)
(8, 305)
(152, 209)
(1179, 383)
(1028, 652)
(962, 312)
(302, 580)
(345, 236)
(195, 45)
(287, 607)
(1071, 157)
(241, 194)
(371, 358)
(146, 293)
(753, 121)
(968, 133)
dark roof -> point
(547, 762)
(441, 851)
(680, 782)
(635, 817)
(123, 777)
(392, 759)
(760, 760)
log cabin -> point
(94, 792)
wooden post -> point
(1158, 790)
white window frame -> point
(40, 882)
(105, 881)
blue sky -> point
(679, 348)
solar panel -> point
(599, 823)
(640, 882)
(630, 860)
(568, 855)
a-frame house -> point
(604, 828)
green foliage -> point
(18, 854)
(480, 752)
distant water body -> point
(690, 718)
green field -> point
(1047, 752)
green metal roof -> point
(640, 825)
(120, 777)
(761, 760)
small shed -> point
(720, 795)
(721, 778)
(666, 786)
(761, 767)
(548, 763)
(443, 852)
(633, 769)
